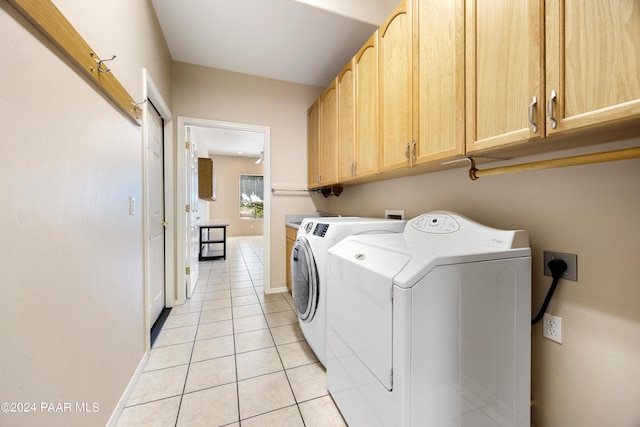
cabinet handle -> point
(534, 126)
(406, 152)
(552, 120)
(413, 151)
(353, 168)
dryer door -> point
(304, 280)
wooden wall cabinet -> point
(322, 139)
(394, 89)
(441, 79)
(358, 115)
(206, 179)
(328, 158)
(313, 145)
(366, 98)
(421, 85)
(346, 123)
(585, 52)
(504, 73)
(291, 234)
(592, 63)
(438, 81)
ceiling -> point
(219, 141)
(299, 41)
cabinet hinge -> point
(187, 208)
(187, 145)
(188, 271)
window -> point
(251, 197)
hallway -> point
(232, 356)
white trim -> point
(181, 195)
(151, 92)
(117, 412)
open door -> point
(192, 231)
(186, 179)
(156, 214)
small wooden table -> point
(206, 240)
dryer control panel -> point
(436, 223)
(317, 229)
(444, 226)
(321, 229)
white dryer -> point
(431, 327)
(308, 269)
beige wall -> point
(226, 206)
(593, 378)
(71, 256)
(206, 93)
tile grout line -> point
(184, 387)
(263, 305)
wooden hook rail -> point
(47, 18)
(585, 159)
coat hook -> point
(100, 61)
(137, 106)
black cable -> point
(557, 267)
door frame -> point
(150, 92)
(181, 196)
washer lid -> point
(360, 305)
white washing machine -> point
(431, 327)
(308, 269)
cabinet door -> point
(394, 89)
(313, 145)
(593, 62)
(366, 68)
(328, 164)
(346, 123)
(290, 243)
(504, 72)
(438, 80)
(206, 188)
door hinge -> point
(187, 145)
(188, 271)
(187, 208)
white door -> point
(193, 232)
(155, 212)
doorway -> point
(156, 283)
(157, 215)
(187, 253)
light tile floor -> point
(232, 356)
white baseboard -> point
(277, 290)
(113, 420)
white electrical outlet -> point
(552, 327)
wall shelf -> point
(54, 25)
